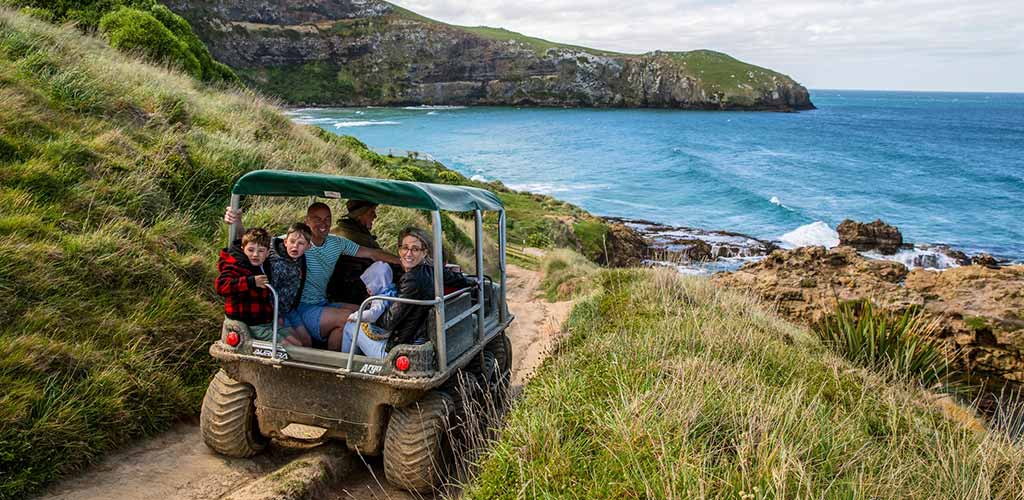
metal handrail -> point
(459, 292)
(359, 319)
(273, 346)
(417, 302)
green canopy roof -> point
(419, 195)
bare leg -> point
(334, 340)
(335, 317)
(299, 337)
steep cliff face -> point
(369, 52)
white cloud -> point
(911, 44)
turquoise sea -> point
(946, 168)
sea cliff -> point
(357, 53)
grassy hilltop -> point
(669, 387)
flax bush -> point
(900, 344)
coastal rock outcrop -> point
(979, 309)
(626, 248)
(865, 237)
(370, 52)
(680, 244)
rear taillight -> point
(232, 338)
(402, 363)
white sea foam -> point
(926, 258)
(432, 113)
(816, 233)
(479, 178)
(776, 201)
(307, 120)
(539, 187)
(426, 107)
(366, 123)
(548, 188)
(703, 268)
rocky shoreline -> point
(976, 301)
(701, 251)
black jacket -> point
(407, 323)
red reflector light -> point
(402, 363)
(232, 339)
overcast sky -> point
(866, 44)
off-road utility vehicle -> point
(402, 405)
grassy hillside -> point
(113, 178)
(539, 45)
(668, 387)
(722, 72)
(136, 26)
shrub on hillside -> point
(135, 30)
(210, 70)
(41, 14)
(451, 177)
(355, 145)
(897, 344)
(85, 13)
(89, 15)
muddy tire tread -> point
(415, 443)
(501, 347)
(228, 418)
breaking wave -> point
(435, 107)
(814, 234)
(366, 123)
(927, 258)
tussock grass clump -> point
(114, 175)
(564, 273)
(669, 387)
(898, 344)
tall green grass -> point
(114, 175)
(669, 387)
(565, 274)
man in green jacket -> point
(357, 224)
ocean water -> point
(946, 168)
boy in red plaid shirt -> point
(243, 283)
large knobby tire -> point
(494, 388)
(464, 389)
(228, 418)
(417, 442)
(501, 347)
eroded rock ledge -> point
(979, 308)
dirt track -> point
(178, 465)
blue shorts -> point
(309, 314)
(292, 318)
